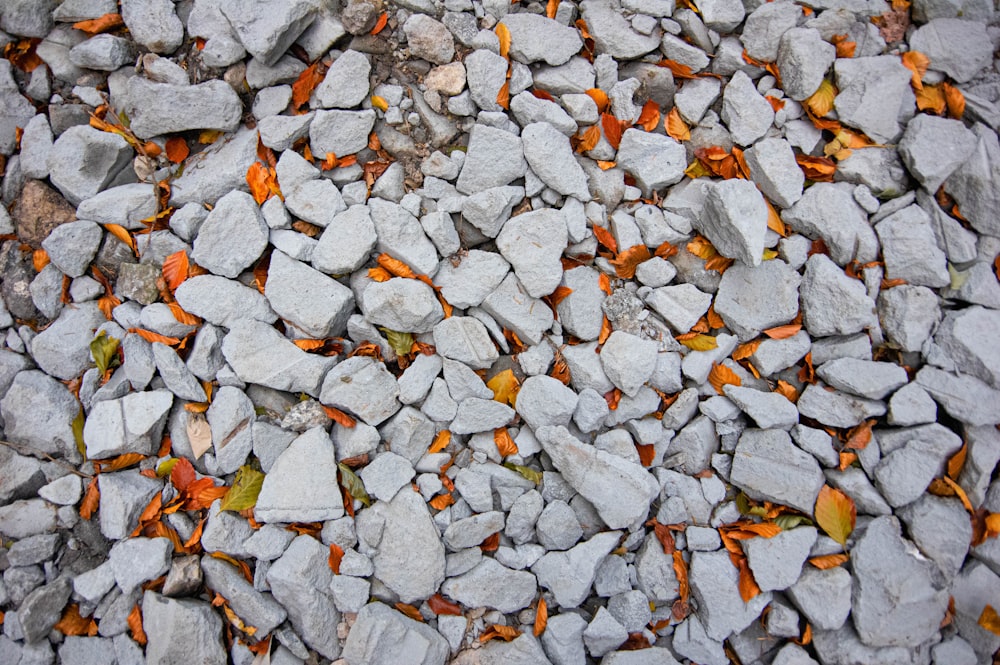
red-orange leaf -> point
(828, 561)
(122, 234)
(954, 100)
(541, 617)
(395, 266)
(72, 623)
(605, 283)
(600, 98)
(558, 295)
(177, 149)
(304, 85)
(135, 625)
(441, 501)
(626, 262)
(182, 474)
(175, 269)
(748, 585)
(649, 118)
(491, 543)
(721, 375)
(410, 611)
(339, 417)
(152, 337)
(680, 71)
(505, 444)
(612, 129)
(835, 513)
(100, 24)
(503, 94)
(647, 453)
(90, 499)
(783, 332)
(818, 169)
(380, 23)
(441, 605)
(262, 181)
(123, 461)
(496, 631)
(551, 8)
(605, 238)
(589, 139)
(336, 556)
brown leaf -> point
(828, 561)
(177, 149)
(989, 620)
(39, 259)
(441, 501)
(339, 417)
(100, 24)
(441, 605)
(304, 85)
(605, 238)
(663, 534)
(152, 337)
(560, 370)
(835, 513)
(817, 169)
(787, 390)
(858, 437)
(960, 493)
(680, 71)
(182, 474)
(541, 617)
(90, 500)
(776, 104)
(410, 611)
(957, 461)
(589, 139)
(175, 269)
(677, 129)
(612, 129)
(846, 460)
(557, 297)
(721, 375)
(380, 23)
(505, 444)
(647, 453)
(122, 234)
(336, 556)
(600, 98)
(649, 117)
(717, 161)
(379, 274)
(681, 573)
(135, 625)
(490, 543)
(626, 262)
(496, 631)
(917, 63)
(612, 397)
(503, 94)
(954, 100)
(202, 492)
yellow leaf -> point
(835, 513)
(702, 248)
(769, 255)
(122, 234)
(990, 620)
(697, 170)
(380, 103)
(699, 342)
(722, 375)
(208, 136)
(505, 387)
(677, 129)
(821, 102)
(917, 63)
(503, 33)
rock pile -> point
(616, 331)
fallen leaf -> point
(379, 274)
(246, 487)
(491, 543)
(957, 461)
(353, 484)
(748, 585)
(175, 269)
(526, 472)
(846, 460)
(600, 98)
(612, 129)
(718, 161)
(505, 387)
(336, 556)
(560, 370)
(960, 493)
(931, 98)
(496, 631)
(394, 266)
(122, 234)
(721, 375)
(954, 100)
(989, 620)
(22, 54)
(202, 493)
(821, 102)
(680, 71)
(698, 341)
(118, 463)
(649, 117)
(182, 316)
(153, 337)
(601, 339)
(441, 605)
(626, 262)
(135, 625)
(551, 8)
(503, 34)
(589, 139)
(380, 103)
(77, 426)
(304, 85)
(647, 451)
(440, 442)
(828, 561)
(100, 24)
(604, 282)
(747, 349)
(104, 350)
(845, 48)
(677, 129)
(858, 437)
(557, 297)
(776, 104)
(817, 169)
(774, 220)
(339, 417)
(177, 149)
(663, 534)
(441, 501)
(505, 444)
(605, 238)
(383, 19)
(72, 624)
(199, 434)
(992, 524)
(681, 573)
(917, 63)
(541, 617)
(262, 181)
(91, 499)
(783, 332)
(181, 473)
(835, 513)
(503, 94)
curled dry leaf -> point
(503, 94)
(503, 34)
(647, 451)
(613, 129)
(263, 182)
(858, 437)
(954, 100)
(589, 139)
(605, 238)
(626, 262)
(821, 102)
(505, 387)
(828, 561)
(440, 442)
(177, 149)
(747, 349)
(917, 63)
(681, 572)
(336, 556)
(122, 234)
(440, 605)
(496, 631)
(304, 85)
(677, 129)
(182, 316)
(600, 98)
(835, 513)
(957, 461)
(787, 390)
(817, 169)
(91, 499)
(541, 617)
(135, 625)
(123, 461)
(845, 48)
(931, 98)
(783, 332)
(721, 375)
(339, 417)
(649, 117)
(104, 23)
(199, 434)
(175, 269)
(680, 71)
(505, 444)
(380, 24)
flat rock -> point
(774, 169)
(628, 361)
(963, 335)
(828, 211)
(181, 631)
(346, 82)
(768, 466)
(491, 584)
(873, 91)
(910, 249)
(873, 380)
(222, 301)
(535, 38)
(769, 410)
(403, 305)
(655, 161)
(38, 411)
(777, 562)
(835, 408)
(383, 636)
(232, 237)
(260, 354)
(959, 48)
(932, 148)
(267, 29)
(570, 574)
(751, 300)
(735, 220)
(613, 34)
(494, 158)
(163, 108)
(83, 161)
(321, 311)
(302, 484)
(550, 156)
(133, 423)
(714, 584)
(744, 110)
(832, 302)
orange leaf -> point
(990, 620)
(748, 585)
(600, 98)
(828, 561)
(551, 8)
(603, 337)
(177, 149)
(202, 492)
(308, 344)
(304, 85)
(72, 623)
(722, 375)
(681, 573)
(647, 453)
(441, 605)
(665, 251)
(626, 262)
(817, 169)
(954, 100)
(846, 460)
(182, 474)
(821, 102)
(605, 165)
(746, 350)
(676, 127)
(441, 441)
(605, 238)
(490, 543)
(776, 104)
(845, 49)
(122, 234)
(784, 332)
(917, 63)
(558, 295)
(503, 94)
(505, 444)
(612, 129)
(957, 461)
(380, 23)
(442, 501)
(339, 417)
(379, 274)
(835, 513)
(679, 70)
(396, 267)
(336, 556)
(123, 461)
(152, 337)
(774, 220)
(503, 34)
(960, 493)
(90, 499)
(496, 631)
(604, 282)
(100, 24)
(662, 533)
(858, 437)
(175, 269)
(541, 617)
(931, 98)
(39, 259)
(649, 118)
(262, 181)
(182, 316)
(589, 139)
(135, 625)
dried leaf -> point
(153, 337)
(394, 266)
(91, 499)
(680, 71)
(100, 24)
(821, 102)
(747, 349)
(560, 370)
(505, 444)
(181, 473)
(776, 104)
(380, 23)
(612, 129)
(72, 624)
(663, 534)
(441, 501)
(441, 605)
(202, 493)
(104, 350)
(784, 332)
(525, 471)
(401, 342)
(380, 103)
(503, 94)
(665, 251)
(304, 85)
(503, 34)
(589, 139)
(491, 543)
(604, 282)
(182, 316)
(246, 487)
(931, 98)
(496, 631)
(336, 556)
(845, 49)
(379, 274)
(960, 493)
(649, 117)
(263, 182)
(787, 390)
(175, 269)
(352, 483)
(702, 248)
(647, 451)
(77, 427)
(748, 585)
(199, 434)
(601, 339)
(600, 98)
(917, 63)
(122, 234)
(774, 220)
(605, 238)
(721, 375)
(39, 259)
(123, 461)
(698, 341)
(626, 263)
(135, 625)
(954, 100)
(957, 461)
(677, 129)
(990, 620)
(835, 513)
(505, 387)
(541, 617)
(828, 561)
(440, 442)
(858, 437)
(177, 149)
(681, 573)
(817, 169)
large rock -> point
(232, 237)
(570, 574)
(873, 92)
(162, 108)
(302, 484)
(490, 584)
(83, 161)
(63, 349)
(382, 636)
(181, 631)
(133, 423)
(715, 585)
(533, 243)
(321, 310)
(536, 38)
(612, 32)
(267, 28)
(735, 220)
(260, 354)
(38, 411)
(768, 466)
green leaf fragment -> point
(401, 342)
(246, 487)
(355, 487)
(166, 467)
(104, 349)
(791, 521)
(526, 471)
(77, 426)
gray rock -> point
(494, 158)
(266, 30)
(486, 72)
(768, 410)
(963, 396)
(859, 105)
(490, 584)
(346, 82)
(480, 415)
(466, 340)
(832, 302)
(777, 562)
(873, 380)
(773, 168)
(346, 242)
(535, 38)
(471, 531)
(823, 596)
(489, 209)
(153, 24)
(320, 312)
(829, 211)
(613, 34)
(233, 236)
(403, 305)
(139, 560)
(216, 171)
(580, 312)
(764, 27)
(619, 490)
(256, 609)
(364, 387)
(910, 250)
(123, 497)
(63, 348)
(768, 466)
(803, 59)
(908, 314)
(557, 527)
(258, 353)
(512, 307)
(835, 408)
(735, 220)
(960, 335)
(603, 633)
(628, 361)
(654, 161)
(974, 587)
(386, 474)
(162, 108)
(937, 527)
(932, 148)
(83, 161)
(383, 636)
(222, 301)
(569, 575)
(42, 609)
(680, 306)
(302, 484)
(898, 599)
(911, 405)
(281, 132)
(468, 284)
(563, 638)
(744, 110)
(103, 52)
(939, 40)
(550, 156)
(340, 132)
(401, 235)
(714, 584)
(181, 630)
(972, 183)
(750, 300)
(38, 411)
(133, 424)
(429, 39)
(175, 374)
(65, 491)
(86, 650)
